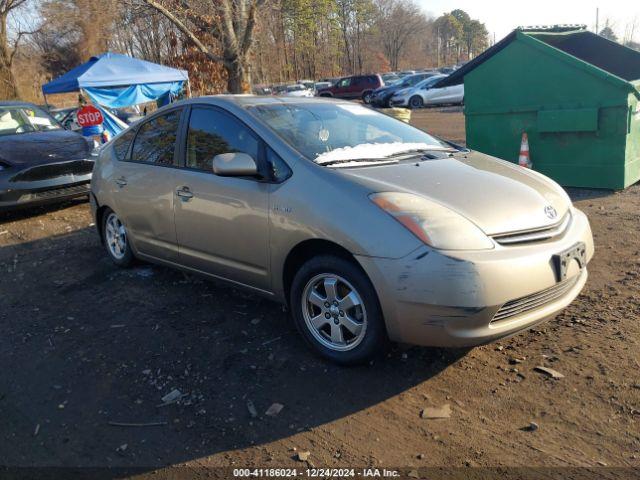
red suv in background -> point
(356, 86)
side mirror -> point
(235, 164)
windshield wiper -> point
(359, 160)
(422, 151)
(393, 158)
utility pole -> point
(597, 21)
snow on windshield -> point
(372, 151)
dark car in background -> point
(354, 87)
(382, 96)
(40, 161)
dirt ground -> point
(85, 344)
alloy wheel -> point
(415, 102)
(115, 236)
(334, 312)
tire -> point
(416, 102)
(355, 319)
(366, 97)
(325, 95)
(115, 239)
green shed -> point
(576, 95)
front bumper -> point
(449, 299)
(380, 100)
(399, 102)
(14, 194)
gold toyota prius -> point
(368, 229)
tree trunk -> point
(8, 87)
(238, 77)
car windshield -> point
(427, 82)
(343, 134)
(412, 80)
(25, 119)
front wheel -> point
(336, 309)
(416, 102)
(367, 96)
(115, 239)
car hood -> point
(498, 196)
(43, 147)
(385, 90)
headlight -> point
(434, 224)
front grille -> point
(533, 301)
(61, 192)
(535, 234)
(53, 170)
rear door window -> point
(122, 143)
(156, 139)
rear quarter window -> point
(121, 145)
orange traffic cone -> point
(524, 160)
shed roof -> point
(604, 58)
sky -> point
(502, 16)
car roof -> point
(16, 103)
(246, 100)
(432, 78)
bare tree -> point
(398, 21)
(8, 87)
(630, 31)
(230, 22)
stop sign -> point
(89, 116)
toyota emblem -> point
(550, 212)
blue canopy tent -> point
(113, 80)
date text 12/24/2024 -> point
(315, 473)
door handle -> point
(184, 193)
(121, 182)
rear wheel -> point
(416, 102)
(336, 309)
(115, 238)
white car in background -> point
(298, 90)
(425, 94)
